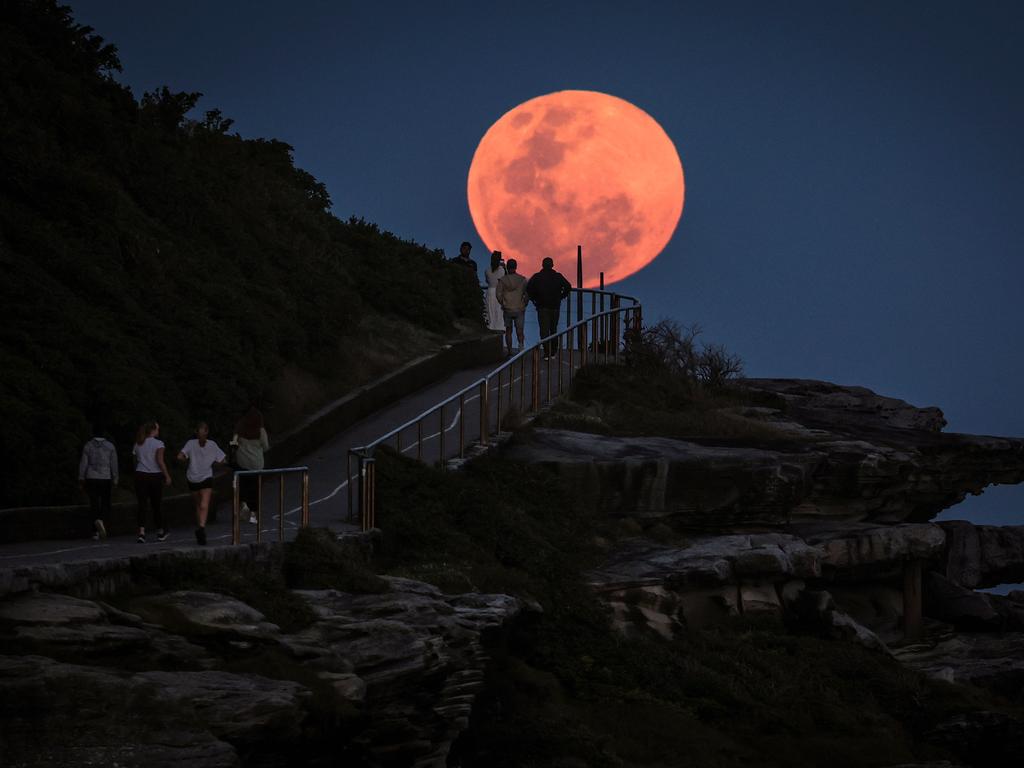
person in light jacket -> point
(97, 474)
(252, 442)
(511, 294)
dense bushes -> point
(156, 266)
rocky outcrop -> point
(842, 454)
(984, 555)
(82, 682)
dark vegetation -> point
(566, 689)
(158, 266)
(671, 385)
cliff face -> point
(825, 526)
(842, 454)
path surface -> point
(329, 492)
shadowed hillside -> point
(156, 266)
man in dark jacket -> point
(546, 290)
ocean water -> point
(997, 505)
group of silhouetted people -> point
(98, 472)
(508, 294)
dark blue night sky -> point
(854, 170)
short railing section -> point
(261, 474)
(523, 384)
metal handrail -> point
(604, 328)
(236, 527)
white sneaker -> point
(252, 518)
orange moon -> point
(577, 167)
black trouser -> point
(99, 497)
(249, 491)
(149, 488)
(547, 317)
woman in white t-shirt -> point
(202, 455)
(151, 476)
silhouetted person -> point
(495, 321)
(151, 476)
(546, 290)
(463, 259)
(511, 294)
(97, 473)
(201, 454)
(252, 441)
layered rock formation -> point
(202, 679)
(842, 454)
(825, 526)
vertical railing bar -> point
(485, 412)
(440, 445)
(305, 499)
(280, 509)
(497, 410)
(259, 510)
(462, 425)
(236, 529)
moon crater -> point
(577, 167)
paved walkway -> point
(328, 492)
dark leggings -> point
(249, 490)
(99, 497)
(149, 488)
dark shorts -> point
(207, 483)
(514, 317)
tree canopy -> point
(159, 266)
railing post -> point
(568, 335)
(547, 378)
(558, 393)
(440, 437)
(236, 529)
(497, 410)
(462, 426)
(583, 344)
(535, 384)
(522, 384)
(368, 473)
(304, 519)
(259, 509)
(485, 412)
(280, 508)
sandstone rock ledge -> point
(202, 679)
(842, 454)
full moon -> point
(576, 168)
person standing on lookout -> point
(463, 259)
(511, 294)
(546, 290)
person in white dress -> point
(495, 319)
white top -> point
(492, 278)
(145, 456)
(201, 459)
